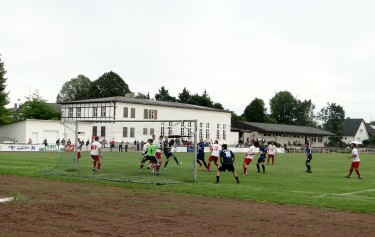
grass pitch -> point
(286, 182)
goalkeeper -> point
(150, 154)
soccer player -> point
(200, 153)
(150, 155)
(167, 152)
(262, 156)
(355, 161)
(96, 154)
(157, 143)
(249, 157)
(226, 159)
(271, 153)
(308, 157)
(215, 148)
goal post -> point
(121, 160)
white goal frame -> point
(193, 132)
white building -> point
(36, 130)
(354, 130)
(212, 124)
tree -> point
(256, 111)
(164, 95)
(235, 117)
(76, 89)
(217, 106)
(203, 100)
(37, 108)
(283, 106)
(184, 96)
(333, 117)
(304, 113)
(5, 114)
(142, 96)
(107, 85)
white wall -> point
(213, 118)
(23, 130)
(14, 131)
(362, 133)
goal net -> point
(122, 143)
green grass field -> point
(285, 183)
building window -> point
(132, 132)
(145, 131)
(150, 114)
(162, 130)
(95, 131)
(126, 112)
(132, 113)
(152, 131)
(182, 132)
(218, 131)
(320, 139)
(224, 132)
(207, 130)
(189, 129)
(124, 132)
(103, 112)
(313, 139)
(78, 112)
(70, 113)
(95, 112)
(102, 131)
(170, 128)
(153, 114)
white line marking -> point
(6, 199)
(352, 193)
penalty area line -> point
(6, 199)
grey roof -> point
(370, 130)
(280, 128)
(351, 126)
(144, 102)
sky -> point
(237, 50)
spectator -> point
(120, 146)
(112, 144)
(58, 143)
(126, 146)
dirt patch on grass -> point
(55, 208)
